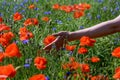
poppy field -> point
(26, 27)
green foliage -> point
(103, 47)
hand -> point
(59, 42)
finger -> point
(56, 34)
(59, 33)
(48, 47)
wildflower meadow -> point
(26, 27)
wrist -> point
(69, 36)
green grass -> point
(103, 47)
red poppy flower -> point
(31, 21)
(117, 69)
(82, 50)
(1, 19)
(40, 62)
(87, 41)
(23, 30)
(116, 52)
(116, 75)
(77, 7)
(32, 6)
(35, 21)
(3, 42)
(1, 56)
(4, 27)
(62, 7)
(85, 5)
(95, 59)
(70, 47)
(64, 66)
(78, 14)
(74, 65)
(66, 8)
(56, 6)
(8, 70)
(28, 22)
(12, 50)
(99, 77)
(8, 36)
(2, 77)
(38, 77)
(85, 67)
(5, 38)
(48, 39)
(46, 19)
(25, 34)
(17, 16)
(94, 78)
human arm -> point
(99, 30)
